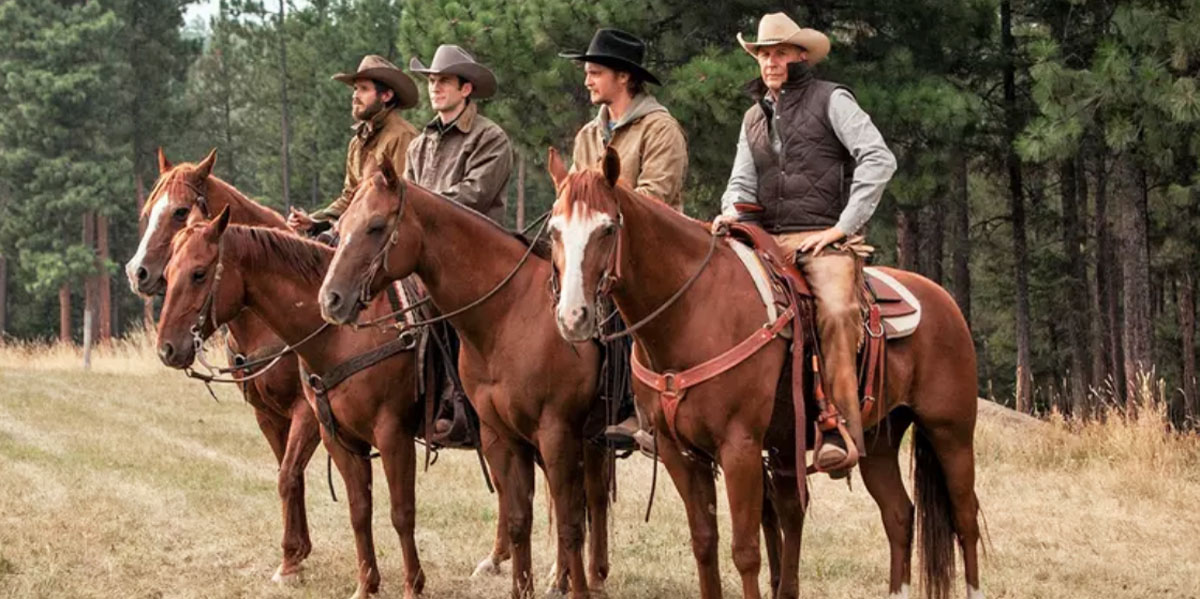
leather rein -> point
(379, 260)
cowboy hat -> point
(778, 28)
(616, 49)
(377, 68)
(453, 60)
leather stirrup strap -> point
(672, 385)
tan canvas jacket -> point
(469, 162)
(651, 144)
(385, 137)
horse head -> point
(179, 190)
(585, 225)
(377, 245)
(201, 293)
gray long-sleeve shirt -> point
(874, 164)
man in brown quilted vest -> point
(810, 168)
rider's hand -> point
(722, 222)
(299, 220)
(817, 241)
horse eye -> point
(198, 275)
(608, 229)
(181, 214)
(375, 227)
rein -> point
(202, 318)
(381, 257)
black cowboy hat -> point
(616, 49)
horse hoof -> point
(487, 567)
(554, 593)
(286, 579)
(361, 593)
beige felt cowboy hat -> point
(453, 60)
(377, 68)
(778, 28)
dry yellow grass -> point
(129, 481)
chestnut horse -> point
(603, 230)
(279, 407)
(276, 275)
(533, 392)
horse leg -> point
(791, 513)
(694, 481)
(302, 440)
(275, 431)
(954, 447)
(596, 464)
(399, 456)
(514, 463)
(741, 459)
(880, 470)
(772, 537)
(356, 473)
(563, 455)
(501, 548)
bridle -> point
(379, 260)
(206, 315)
(611, 276)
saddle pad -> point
(901, 315)
(758, 272)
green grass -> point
(129, 481)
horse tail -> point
(936, 535)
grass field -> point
(129, 481)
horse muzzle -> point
(176, 355)
(575, 324)
(338, 307)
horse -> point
(605, 236)
(279, 407)
(217, 270)
(533, 391)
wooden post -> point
(88, 321)
(102, 278)
(3, 296)
(64, 313)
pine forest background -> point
(1049, 150)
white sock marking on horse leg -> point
(974, 593)
(902, 594)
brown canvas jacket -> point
(651, 144)
(385, 137)
(468, 162)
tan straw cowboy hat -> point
(778, 28)
(453, 60)
(377, 68)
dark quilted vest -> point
(805, 187)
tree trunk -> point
(147, 303)
(105, 282)
(1187, 332)
(520, 192)
(1013, 122)
(1137, 333)
(91, 288)
(932, 228)
(64, 313)
(960, 240)
(906, 238)
(3, 296)
(283, 101)
(1076, 301)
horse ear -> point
(389, 173)
(612, 166)
(204, 169)
(554, 164)
(218, 225)
(164, 165)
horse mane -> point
(178, 176)
(274, 249)
(541, 249)
(591, 190)
(279, 250)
